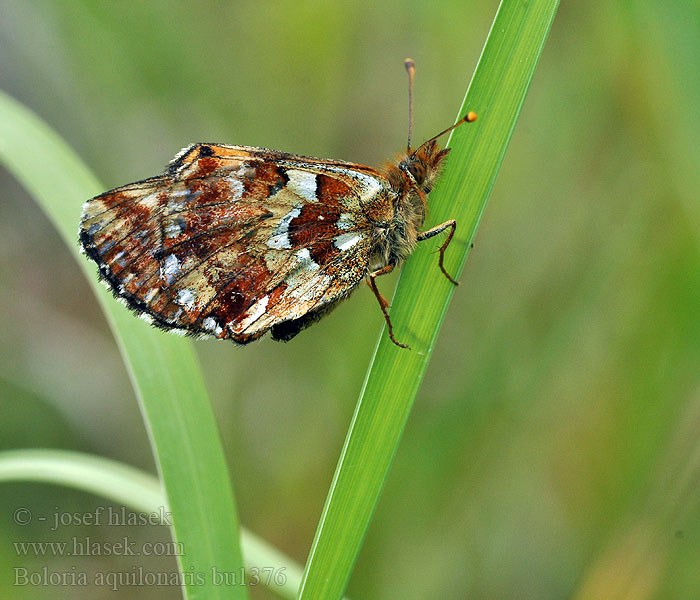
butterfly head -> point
(421, 166)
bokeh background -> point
(554, 448)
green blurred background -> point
(553, 449)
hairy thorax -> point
(410, 178)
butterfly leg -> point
(383, 304)
(452, 224)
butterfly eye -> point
(418, 171)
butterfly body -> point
(411, 178)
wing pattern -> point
(232, 241)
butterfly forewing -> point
(234, 240)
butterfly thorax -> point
(411, 179)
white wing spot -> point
(299, 283)
(169, 269)
(306, 263)
(253, 314)
(279, 241)
(302, 183)
(345, 241)
(372, 187)
(151, 294)
(236, 187)
(174, 227)
(345, 221)
(185, 298)
(151, 201)
(279, 238)
(117, 258)
(211, 325)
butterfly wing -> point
(232, 241)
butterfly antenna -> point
(470, 117)
(411, 70)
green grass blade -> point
(139, 491)
(496, 93)
(123, 484)
(163, 368)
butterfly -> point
(235, 241)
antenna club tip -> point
(470, 117)
(409, 64)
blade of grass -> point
(496, 93)
(163, 369)
(138, 490)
